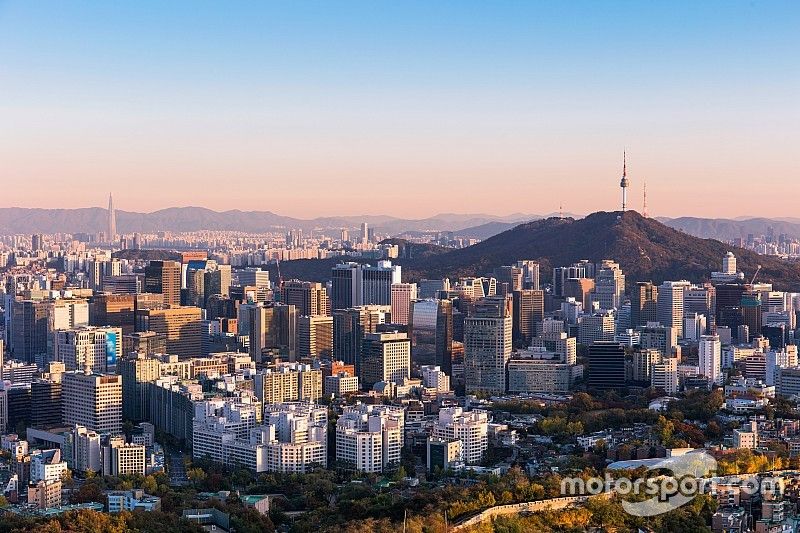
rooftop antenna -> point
(561, 211)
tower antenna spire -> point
(624, 182)
(644, 201)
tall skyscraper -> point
(669, 307)
(385, 357)
(353, 284)
(89, 347)
(314, 336)
(488, 345)
(114, 310)
(609, 285)
(528, 312)
(431, 332)
(710, 358)
(310, 298)
(136, 370)
(402, 296)
(164, 277)
(606, 365)
(350, 326)
(273, 327)
(93, 401)
(112, 221)
(644, 304)
(181, 327)
(29, 330)
(530, 273)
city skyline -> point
(400, 109)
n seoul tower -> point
(624, 182)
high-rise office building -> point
(29, 330)
(181, 328)
(669, 306)
(581, 289)
(402, 296)
(164, 277)
(354, 284)
(111, 230)
(609, 284)
(606, 365)
(310, 298)
(509, 279)
(528, 313)
(488, 345)
(710, 358)
(114, 310)
(315, 336)
(431, 332)
(144, 342)
(46, 397)
(350, 326)
(253, 277)
(99, 349)
(594, 328)
(345, 280)
(530, 273)
(123, 284)
(385, 357)
(644, 304)
(136, 370)
(273, 327)
(430, 288)
(93, 401)
(728, 305)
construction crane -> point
(753, 279)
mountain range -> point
(94, 219)
(478, 225)
(645, 248)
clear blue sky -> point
(404, 108)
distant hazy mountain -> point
(727, 229)
(475, 225)
(93, 219)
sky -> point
(406, 108)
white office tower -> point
(609, 285)
(530, 273)
(92, 400)
(402, 296)
(787, 358)
(83, 450)
(710, 356)
(295, 437)
(470, 427)
(729, 264)
(487, 345)
(369, 438)
(694, 326)
(669, 307)
(97, 348)
(665, 375)
(434, 378)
